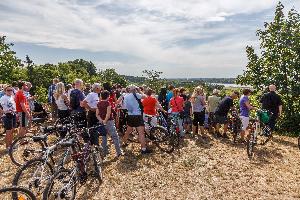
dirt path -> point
(206, 168)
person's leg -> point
(126, 135)
(111, 128)
(22, 129)
(141, 132)
(195, 124)
(179, 122)
(201, 121)
(104, 145)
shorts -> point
(153, 122)
(199, 117)
(135, 121)
(245, 122)
(23, 119)
(187, 120)
(221, 119)
(9, 122)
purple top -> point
(244, 110)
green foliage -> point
(8, 61)
(41, 93)
(111, 76)
(278, 63)
(153, 80)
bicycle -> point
(16, 193)
(235, 125)
(64, 182)
(259, 130)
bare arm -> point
(65, 98)
(159, 107)
(247, 103)
(98, 116)
(280, 110)
(24, 109)
(108, 113)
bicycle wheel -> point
(24, 149)
(16, 193)
(162, 139)
(61, 186)
(250, 145)
(34, 175)
(97, 161)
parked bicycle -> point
(16, 193)
(260, 132)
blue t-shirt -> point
(132, 105)
(244, 110)
(76, 96)
(169, 96)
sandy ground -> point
(203, 168)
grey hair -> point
(96, 85)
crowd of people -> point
(122, 109)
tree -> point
(29, 66)
(8, 61)
(278, 63)
(111, 76)
(153, 79)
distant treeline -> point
(137, 79)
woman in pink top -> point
(176, 105)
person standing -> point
(245, 108)
(76, 102)
(105, 115)
(22, 108)
(221, 113)
(198, 105)
(61, 101)
(90, 103)
(176, 105)
(272, 102)
(170, 94)
(8, 111)
(133, 104)
(51, 99)
(212, 104)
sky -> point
(181, 38)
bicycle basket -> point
(263, 116)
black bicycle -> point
(64, 182)
(16, 193)
(235, 125)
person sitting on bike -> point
(245, 108)
(150, 104)
(8, 109)
(133, 103)
(177, 112)
(105, 115)
(273, 103)
(222, 111)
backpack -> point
(74, 99)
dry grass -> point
(204, 168)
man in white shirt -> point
(90, 103)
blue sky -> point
(190, 38)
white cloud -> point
(149, 29)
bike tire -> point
(250, 146)
(15, 190)
(49, 187)
(162, 139)
(97, 161)
(24, 149)
(36, 183)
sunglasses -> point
(9, 90)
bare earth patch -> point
(203, 168)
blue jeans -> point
(111, 129)
(179, 122)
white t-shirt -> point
(92, 99)
(8, 103)
(132, 105)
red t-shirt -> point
(112, 100)
(149, 104)
(102, 106)
(21, 98)
(177, 104)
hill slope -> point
(203, 168)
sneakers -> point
(147, 151)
